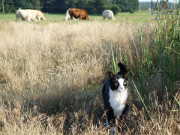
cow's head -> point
(67, 15)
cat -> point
(115, 94)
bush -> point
(115, 9)
(131, 11)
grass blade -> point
(142, 100)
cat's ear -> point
(111, 75)
(122, 68)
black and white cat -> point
(115, 94)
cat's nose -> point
(121, 89)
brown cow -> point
(76, 13)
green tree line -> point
(60, 6)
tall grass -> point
(157, 60)
(168, 46)
(51, 78)
(51, 74)
(161, 54)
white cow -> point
(108, 14)
(25, 15)
(38, 14)
(29, 15)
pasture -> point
(52, 74)
(137, 17)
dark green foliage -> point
(0, 7)
(9, 6)
(31, 4)
(60, 6)
(12, 5)
(49, 5)
(115, 8)
(131, 11)
(127, 5)
(100, 6)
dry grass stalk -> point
(47, 72)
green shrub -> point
(132, 11)
(115, 9)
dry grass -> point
(51, 78)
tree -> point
(48, 5)
(3, 9)
(115, 8)
(127, 5)
(99, 6)
(9, 6)
(81, 4)
(35, 4)
(60, 6)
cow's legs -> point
(17, 17)
(28, 19)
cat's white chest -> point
(117, 101)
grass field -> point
(137, 17)
(52, 74)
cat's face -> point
(118, 82)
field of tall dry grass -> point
(51, 76)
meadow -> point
(137, 17)
(52, 74)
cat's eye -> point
(125, 83)
(116, 83)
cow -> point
(108, 14)
(67, 15)
(76, 13)
(25, 15)
(38, 14)
(29, 15)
